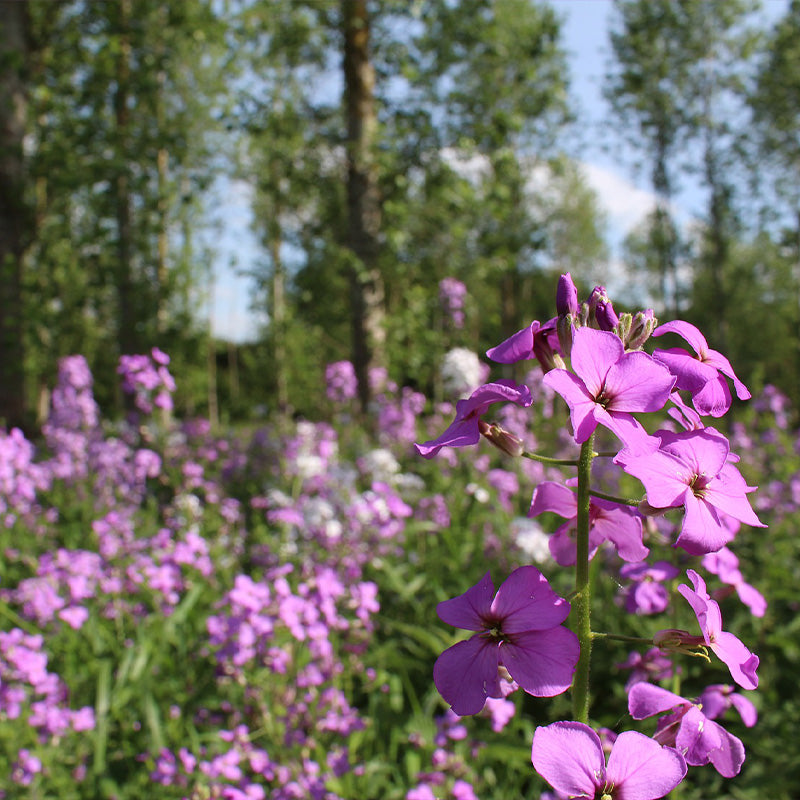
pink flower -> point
(569, 756)
(518, 629)
(607, 522)
(728, 648)
(725, 565)
(647, 595)
(689, 728)
(607, 384)
(465, 428)
(700, 373)
(693, 469)
(538, 340)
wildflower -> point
(725, 565)
(700, 373)
(607, 521)
(519, 629)
(728, 648)
(647, 594)
(601, 311)
(688, 728)
(608, 384)
(538, 340)
(569, 756)
(465, 428)
(693, 469)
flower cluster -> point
(594, 359)
(452, 294)
(147, 380)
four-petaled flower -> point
(465, 428)
(519, 629)
(607, 385)
(569, 756)
(616, 523)
(689, 727)
(693, 469)
(700, 374)
(728, 648)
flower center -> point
(699, 484)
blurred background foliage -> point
(449, 148)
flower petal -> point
(517, 347)
(569, 756)
(637, 382)
(647, 700)
(593, 354)
(525, 602)
(468, 610)
(686, 331)
(555, 497)
(466, 674)
(542, 662)
(641, 769)
(581, 403)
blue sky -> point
(623, 195)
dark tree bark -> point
(16, 221)
(363, 196)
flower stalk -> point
(581, 605)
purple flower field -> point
(253, 614)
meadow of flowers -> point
(532, 590)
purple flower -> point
(718, 698)
(465, 428)
(608, 384)
(539, 341)
(341, 381)
(693, 469)
(725, 565)
(607, 522)
(569, 756)
(700, 373)
(601, 311)
(519, 629)
(567, 297)
(728, 648)
(687, 728)
(451, 295)
(647, 595)
(652, 666)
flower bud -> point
(678, 641)
(567, 297)
(639, 329)
(502, 439)
(601, 311)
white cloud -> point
(626, 204)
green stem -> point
(618, 637)
(621, 500)
(17, 620)
(571, 462)
(581, 605)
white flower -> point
(380, 464)
(462, 372)
(531, 539)
(480, 494)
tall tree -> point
(16, 220)
(677, 86)
(363, 194)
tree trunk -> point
(15, 220)
(127, 338)
(363, 196)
